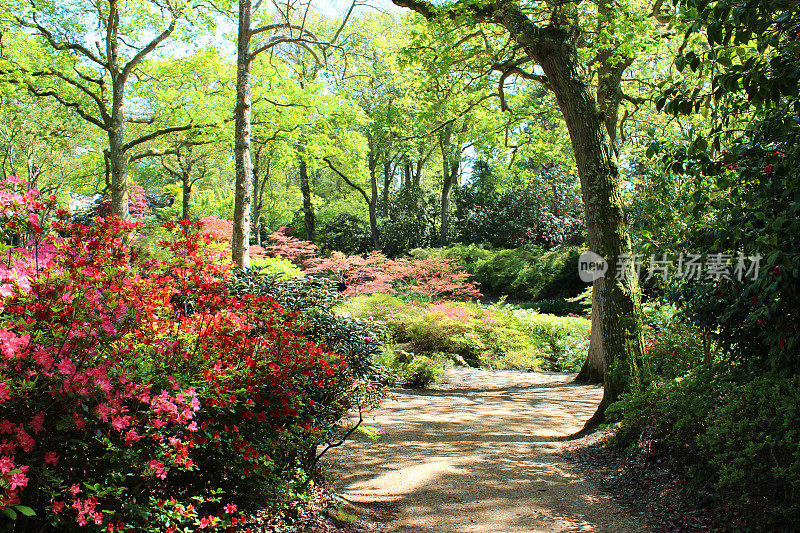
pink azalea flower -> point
(18, 480)
(6, 464)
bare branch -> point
(283, 26)
(57, 44)
(150, 47)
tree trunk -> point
(256, 208)
(373, 205)
(609, 96)
(593, 368)
(407, 173)
(308, 207)
(118, 160)
(450, 165)
(240, 241)
(620, 312)
(187, 196)
(387, 184)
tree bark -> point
(187, 197)
(240, 241)
(373, 203)
(387, 184)
(609, 97)
(450, 165)
(593, 369)
(308, 207)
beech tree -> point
(551, 37)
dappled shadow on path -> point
(479, 455)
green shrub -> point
(498, 337)
(421, 372)
(279, 266)
(562, 341)
(735, 433)
(360, 341)
(673, 347)
(526, 272)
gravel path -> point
(477, 454)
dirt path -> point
(478, 454)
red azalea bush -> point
(144, 396)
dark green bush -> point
(526, 272)
(731, 432)
(345, 233)
(360, 341)
(542, 208)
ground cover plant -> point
(496, 336)
(145, 395)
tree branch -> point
(152, 153)
(57, 44)
(157, 133)
(74, 105)
(347, 180)
(150, 47)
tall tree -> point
(84, 56)
(287, 27)
(554, 47)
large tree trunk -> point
(240, 242)
(620, 312)
(609, 96)
(308, 208)
(593, 369)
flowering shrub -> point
(430, 277)
(291, 248)
(144, 396)
(221, 231)
(358, 340)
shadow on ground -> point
(480, 454)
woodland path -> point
(478, 453)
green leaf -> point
(27, 511)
